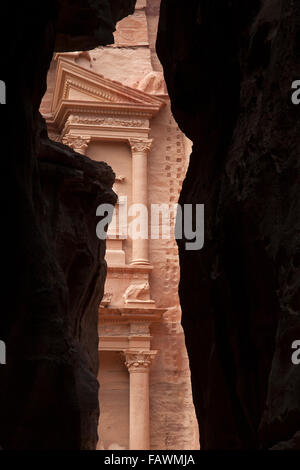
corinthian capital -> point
(79, 143)
(139, 361)
(141, 145)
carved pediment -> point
(77, 84)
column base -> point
(140, 261)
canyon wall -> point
(53, 265)
(229, 66)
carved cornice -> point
(115, 314)
(92, 91)
(123, 116)
(130, 270)
(138, 361)
(140, 145)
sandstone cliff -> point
(53, 265)
(229, 66)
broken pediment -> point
(75, 83)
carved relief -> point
(153, 83)
(107, 298)
(137, 292)
(106, 121)
(120, 178)
(141, 145)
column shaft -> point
(140, 149)
(139, 424)
(138, 364)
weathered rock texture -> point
(229, 66)
(53, 265)
(85, 24)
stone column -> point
(138, 364)
(140, 149)
(79, 143)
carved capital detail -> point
(140, 145)
(79, 143)
(139, 361)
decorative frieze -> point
(139, 329)
(125, 275)
(106, 121)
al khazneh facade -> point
(111, 105)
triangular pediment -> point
(76, 83)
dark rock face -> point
(229, 66)
(53, 264)
(85, 24)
